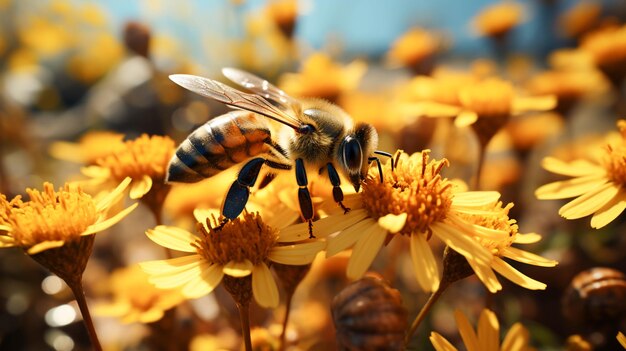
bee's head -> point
(354, 151)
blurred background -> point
(72, 68)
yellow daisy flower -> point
(144, 160)
(498, 19)
(487, 335)
(414, 48)
(135, 299)
(622, 339)
(321, 77)
(598, 187)
(89, 148)
(414, 201)
(284, 14)
(607, 47)
(52, 218)
(243, 247)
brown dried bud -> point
(368, 315)
(137, 38)
(596, 297)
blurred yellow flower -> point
(414, 47)
(242, 247)
(598, 187)
(525, 134)
(135, 299)
(415, 201)
(607, 47)
(45, 37)
(95, 57)
(622, 339)
(52, 218)
(90, 147)
(144, 160)
(487, 335)
(498, 19)
(284, 14)
(580, 18)
(321, 77)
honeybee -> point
(320, 136)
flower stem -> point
(434, 297)
(79, 294)
(284, 332)
(244, 315)
(482, 148)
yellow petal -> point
(171, 266)
(110, 199)
(440, 343)
(467, 332)
(114, 309)
(174, 279)
(577, 168)
(486, 275)
(264, 286)
(238, 269)
(569, 188)
(622, 339)
(527, 257)
(140, 187)
(298, 254)
(429, 109)
(96, 172)
(45, 245)
(529, 238)
(348, 237)
(6, 241)
(424, 263)
(173, 238)
(516, 339)
(364, 251)
(65, 151)
(393, 223)
(204, 283)
(488, 331)
(100, 226)
(609, 211)
(5, 228)
(589, 202)
(322, 228)
(516, 276)
(461, 241)
(150, 316)
(475, 198)
(533, 103)
(465, 118)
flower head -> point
(52, 218)
(89, 148)
(498, 19)
(240, 248)
(580, 18)
(597, 186)
(486, 337)
(417, 202)
(135, 299)
(144, 160)
(284, 14)
(414, 48)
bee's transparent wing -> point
(232, 97)
(260, 86)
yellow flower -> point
(487, 335)
(580, 18)
(90, 147)
(598, 187)
(45, 37)
(144, 160)
(607, 46)
(243, 247)
(321, 77)
(52, 218)
(284, 14)
(414, 201)
(414, 47)
(498, 19)
(622, 339)
(135, 299)
(99, 54)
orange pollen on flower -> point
(245, 238)
(615, 160)
(415, 187)
(51, 215)
(490, 98)
(498, 220)
(146, 155)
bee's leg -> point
(304, 197)
(238, 194)
(336, 182)
(386, 154)
(380, 168)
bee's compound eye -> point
(352, 154)
(306, 129)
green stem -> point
(79, 294)
(244, 315)
(434, 297)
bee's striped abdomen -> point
(219, 144)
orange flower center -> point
(143, 156)
(50, 215)
(245, 238)
(415, 187)
(615, 161)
